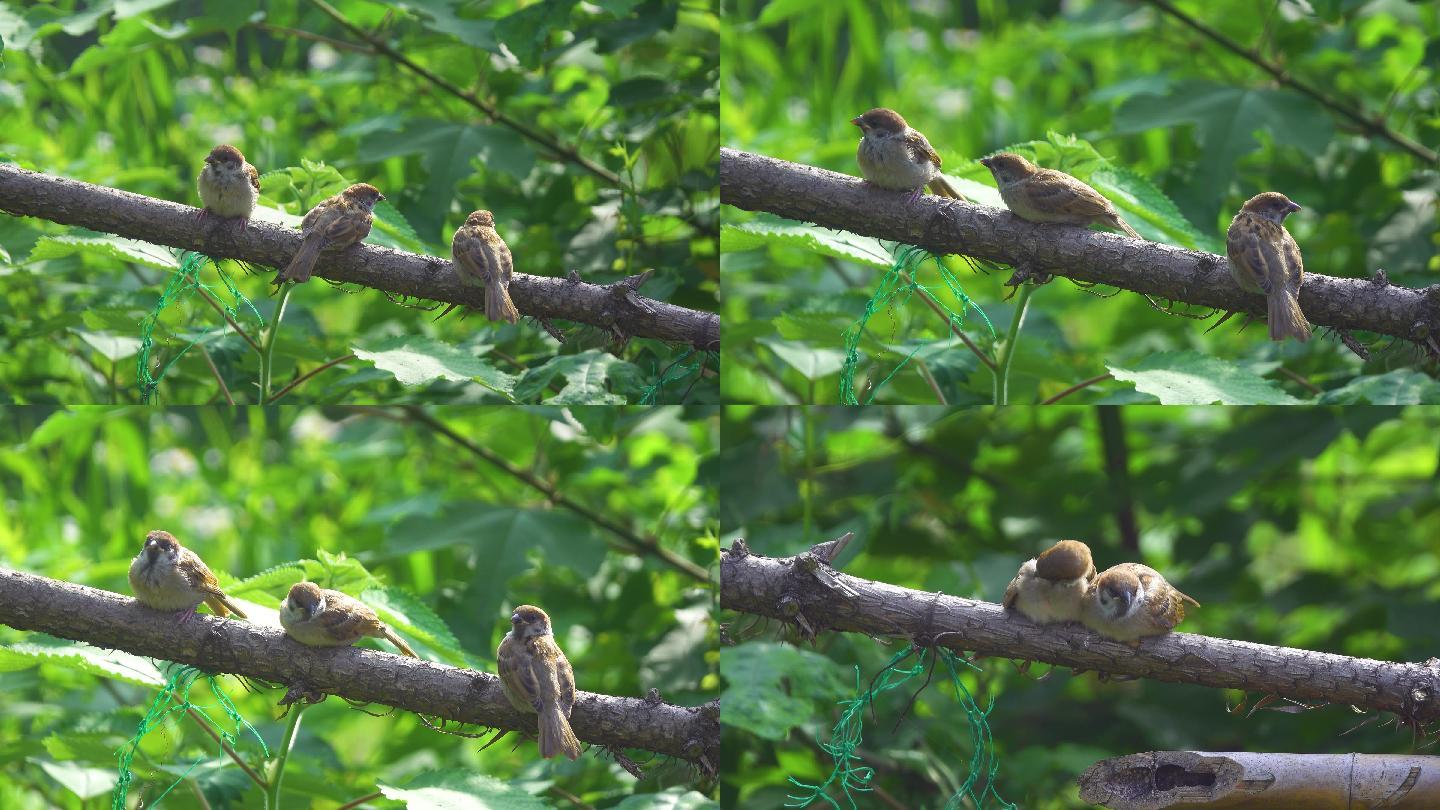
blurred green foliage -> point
(1159, 102)
(440, 541)
(1301, 527)
(133, 95)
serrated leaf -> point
(107, 247)
(526, 32)
(1191, 378)
(589, 378)
(824, 241)
(113, 347)
(1401, 387)
(415, 621)
(460, 789)
(675, 798)
(773, 687)
(78, 779)
(415, 360)
(813, 362)
(82, 657)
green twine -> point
(681, 370)
(845, 738)
(182, 282)
(893, 286)
(174, 698)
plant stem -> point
(267, 348)
(272, 797)
(1007, 351)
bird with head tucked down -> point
(1036, 194)
(1051, 588)
(1130, 601)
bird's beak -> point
(857, 122)
(1294, 207)
(381, 197)
(986, 162)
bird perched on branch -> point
(894, 156)
(229, 186)
(1045, 195)
(1130, 601)
(167, 576)
(320, 617)
(1051, 587)
(333, 224)
(482, 257)
(538, 679)
(1265, 259)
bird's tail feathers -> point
(1286, 318)
(303, 264)
(556, 737)
(498, 306)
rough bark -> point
(113, 621)
(806, 591)
(1241, 780)
(617, 307)
(810, 194)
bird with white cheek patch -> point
(1130, 601)
(320, 617)
(894, 156)
(167, 576)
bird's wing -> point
(1254, 245)
(1057, 191)
(920, 148)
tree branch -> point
(1159, 779)
(613, 306)
(805, 591)
(105, 619)
(1371, 126)
(811, 194)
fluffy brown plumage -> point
(1051, 587)
(167, 576)
(482, 257)
(229, 186)
(1045, 195)
(894, 156)
(335, 223)
(538, 679)
(1130, 601)
(1265, 259)
(320, 617)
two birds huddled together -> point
(1264, 258)
(1125, 602)
(230, 187)
(535, 673)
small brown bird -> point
(1045, 195)
(894, 156)
(167, 576)
(320, 617)
(1130, 601)
(333, 224)
(229, 186)
(538, 679)
(482, 257)
(1265, 259)
(1051, 587)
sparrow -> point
(481, 257)
(894, 156)
(324, 618)
(538, 679)
(167, 576)
(1045, 195)
(1130, 601)
(229, 186)
(1051, 587)
(1265, 259)
(333, 224)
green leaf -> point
(1191, 378)
(1401, 387)
(675, 798)
(527, 31)
(463, 789)
(80, 657)
(591, 377)
(773, 687)
(105, 247)
(440, 16)
(823, 241)
(78, 779)
(415, 360)
(113, 347)
(813, 362)
(415, 621)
